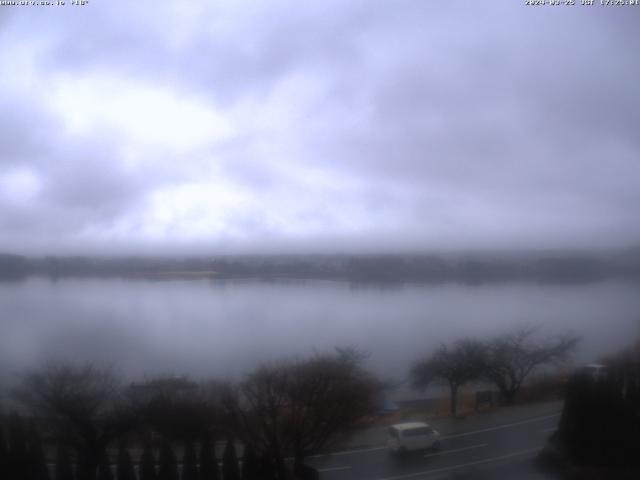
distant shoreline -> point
(558, 268)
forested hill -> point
(548, 267)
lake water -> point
(223, 329)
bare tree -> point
(18, 461)
(177, 408)
(104, 467)
(189, 462)
(63, 469)
(37, 462)
(168, 468)
(455, 365)
(230, 468)
(258, 407)
(250, 464)
(328, 395)
(124, 469)
(4, 454)
(147, 465)
(302, 407)
(81, 403)
(512, 357)
(208, 461)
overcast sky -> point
(208, 126)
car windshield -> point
(415, 432)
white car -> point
(411, 436)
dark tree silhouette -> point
(601, 419)
(4, 454)
(124, 468)
(268, 468)
(511, 358)
(63, 469)
(189, 462)
(208, 462)
(454, 365)
(177, 408)
(104, 467)
(37, 463)
(81, 403)
(147, 465)
(18, 452)
(168, 469)
(302, 407)
(250, 464)
(230, 469)
(328, 395)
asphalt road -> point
(496, 445)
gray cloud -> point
(328, 125)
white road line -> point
(347, 452)
(448, 452)
(499, 427)
(462, 465)
(332, 469)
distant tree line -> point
(90, 426)
(559, 267)
(505, 361)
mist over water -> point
(225, 328)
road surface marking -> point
(332, 469)
(462, 465)
(506, 425)
(347, 452)
(447, 452)
(384, 447)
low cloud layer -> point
(281, 125)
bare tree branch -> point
(512, 357)
(456, 365)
